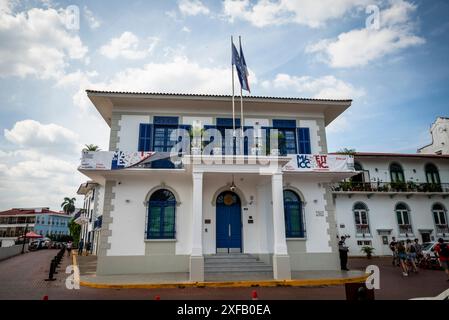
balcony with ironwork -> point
(405, 229)
(362, 230)
(409, 188)
(442, 229)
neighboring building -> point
(165, 216)
(395, 195)
(42, 221)
(440, 137)
(90, 216)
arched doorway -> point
(229, 222)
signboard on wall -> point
(320, 163)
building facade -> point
(42, 221)
(394, 195)
(439, 131)
(259, 197)
(90, 216)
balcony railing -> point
(348, 186)
(362, 229)
(405, 229)
(442, 229)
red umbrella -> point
(33, 235)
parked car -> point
(428, 248)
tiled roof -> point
(25, 211)
(213, 96)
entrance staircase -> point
(236, 266)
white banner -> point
(110, 160)
(320, 163)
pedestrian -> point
(394, 249)
(418, 248)
(80, 247)
(411, 254)
(442, 251)
(402, 255)
(343, 250)
(88, 246)
(69, 248)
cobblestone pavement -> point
(22, 277)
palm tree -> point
(68, 205)
(346, 151)
(91, 147)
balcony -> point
(405, 229)
(442, 229)
(362, 229)
(391, 188)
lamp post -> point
(24, 238)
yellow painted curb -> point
(224, 284)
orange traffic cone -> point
(45, 297)
(157, 297)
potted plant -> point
(368, 251)
(281, 144)
(196, 134)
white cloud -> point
(311, 13)
(359, 47)
(128, 46)
(186, 29)
(192, 7)
(41, 168)
(327, 87)
(93, 22)
(36, 42)
(45, 137)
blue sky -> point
(396, 72)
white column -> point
(281, 259)
(197, 214)
(196, 258)
(280, 244)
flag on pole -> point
(240, 65)
(245, 69)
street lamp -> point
(24, 238)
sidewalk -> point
(88, 278)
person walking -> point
(88, 247)
(402, 255)
(394, 249)
(80, 247)
(418, 248)
(69, 248)
(343, 250)
(442, 251)
(411, 254)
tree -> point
(346, 151)
(75, 231)
(68, 205)
(91, 147)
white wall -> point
(129, 131)
(129, 218)
(381, 215)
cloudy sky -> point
(394, 68)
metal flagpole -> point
(233, 103)
(242, 123)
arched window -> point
(161, 215)
(396, 173)
(440, 218)
(432, 175)
(361, 219)
(294, 223)
(403, 218)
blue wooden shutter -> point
(145, 137)
(304, 141)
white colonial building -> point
(395, 195)
(440, 137)
(264, 205)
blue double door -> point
(229, 223)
